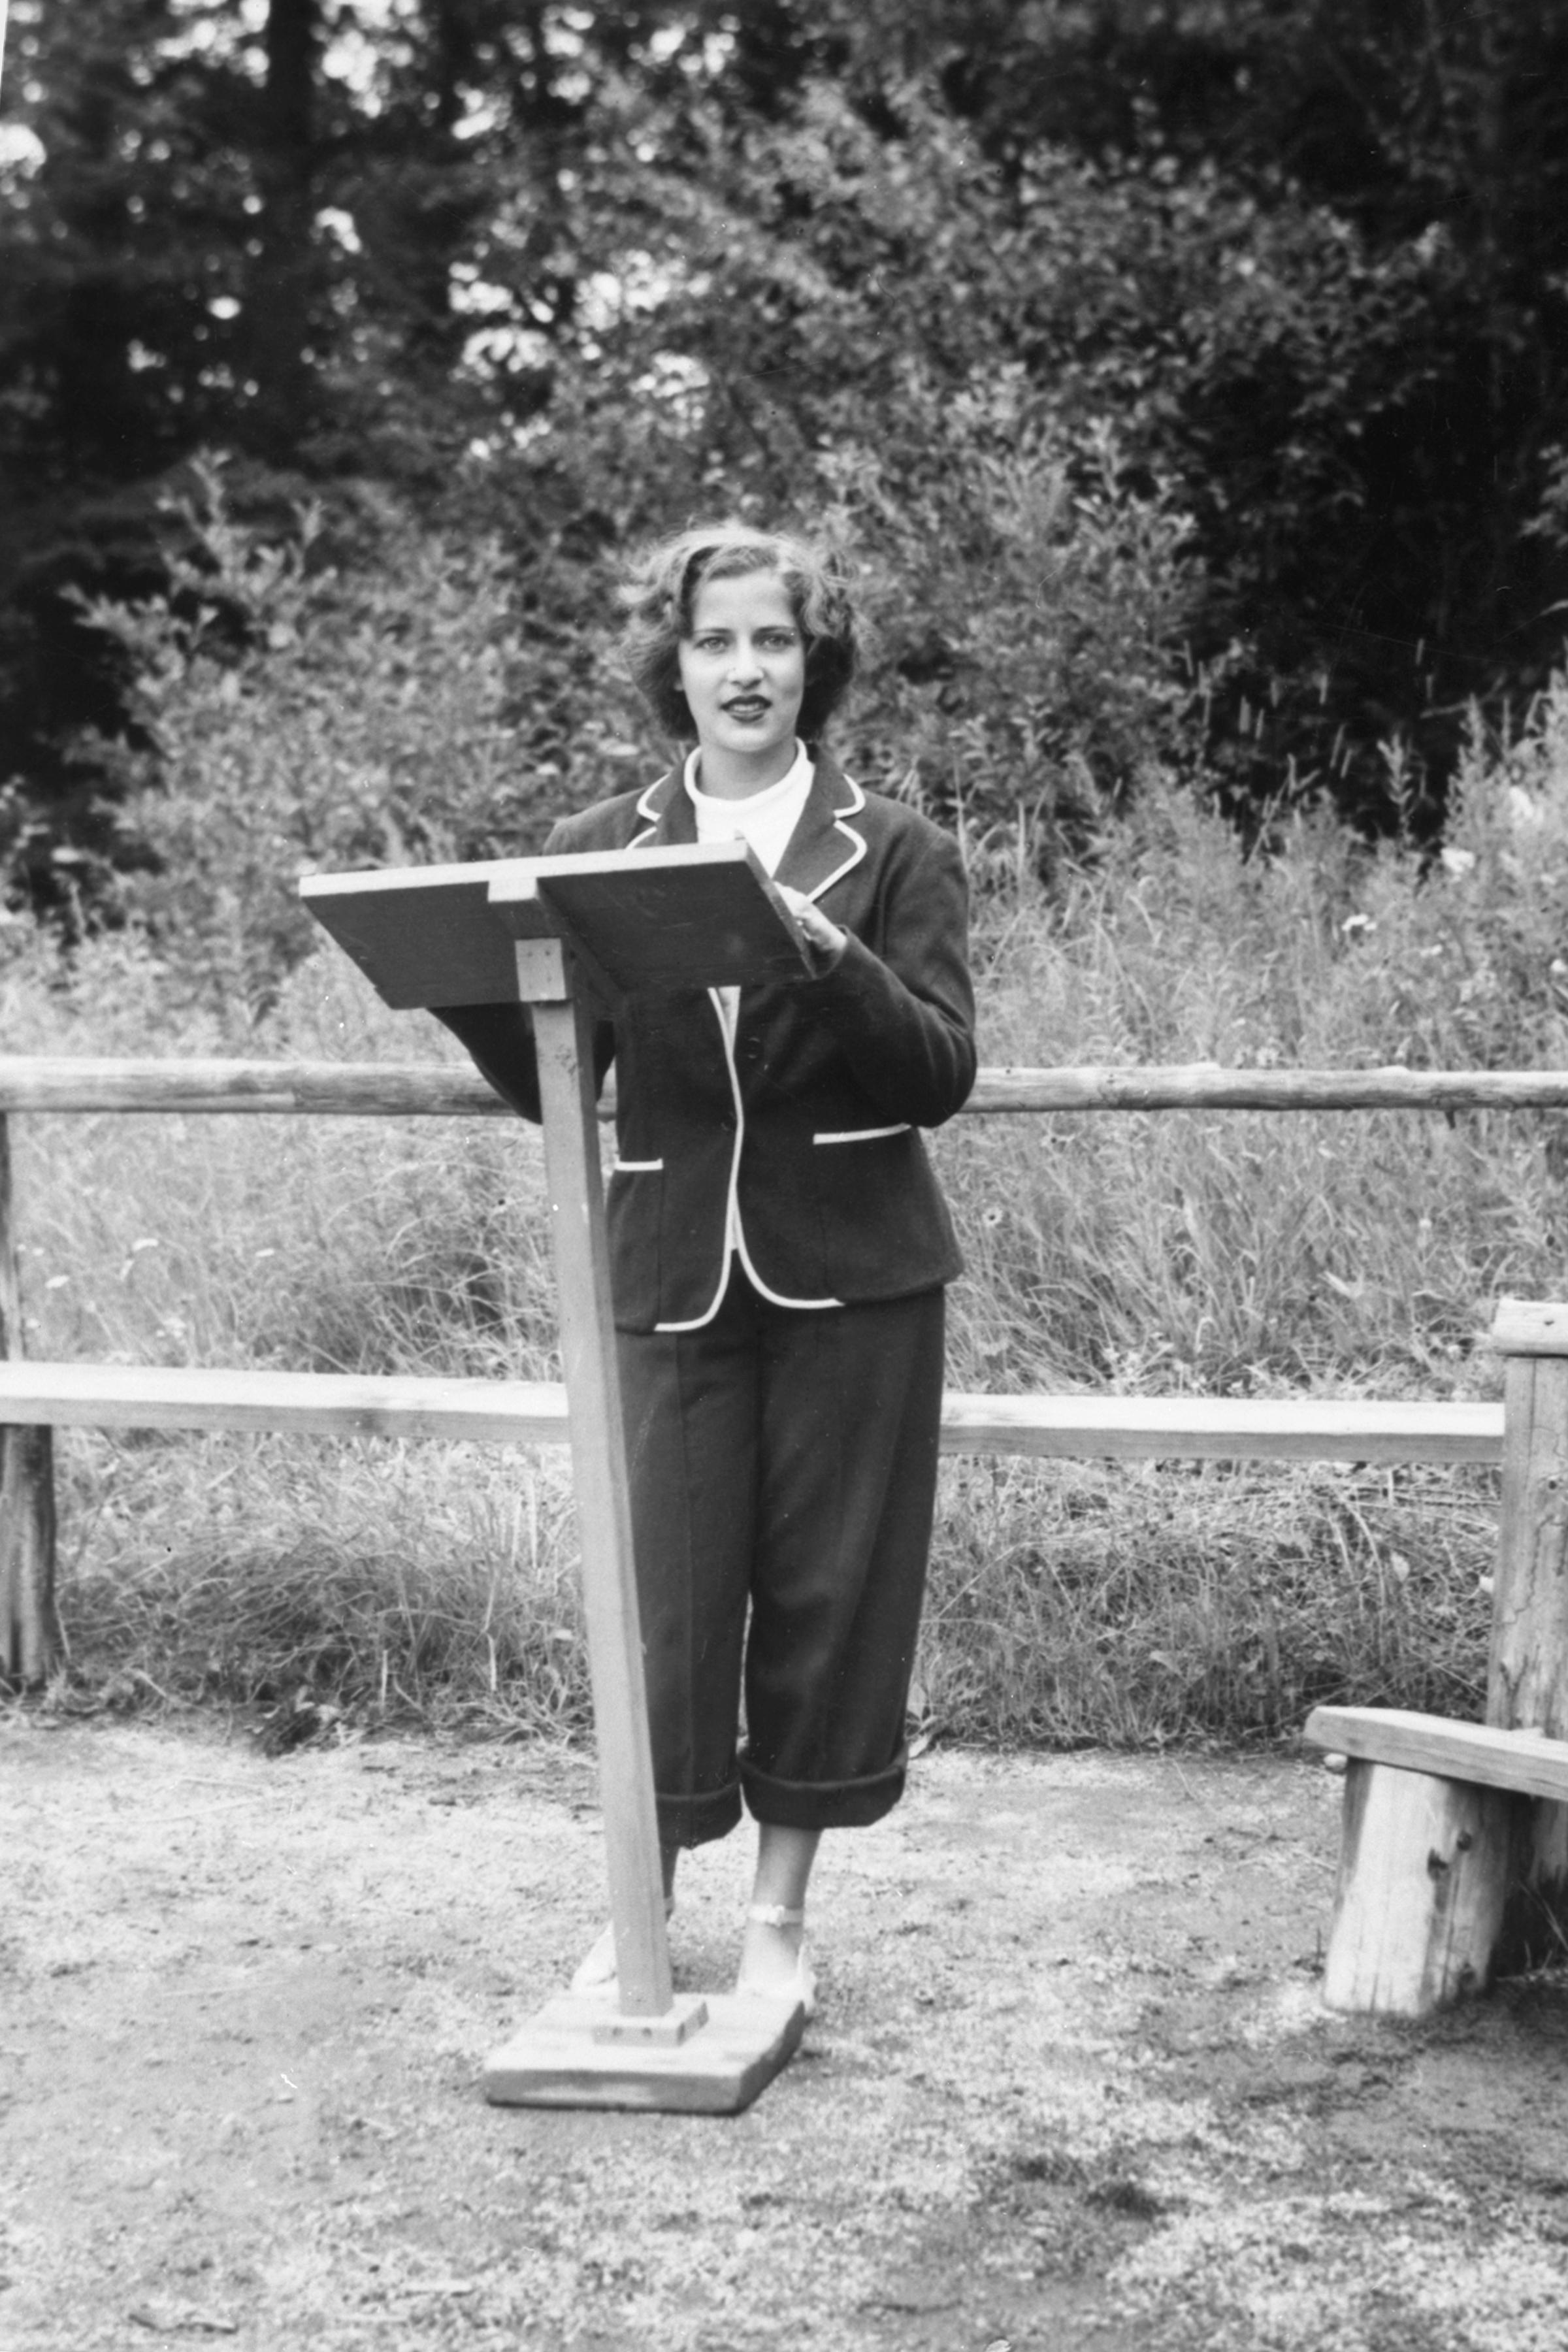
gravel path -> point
(1070, 2089)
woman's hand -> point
(811, 922)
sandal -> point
(802, 1987)
(597, 1967)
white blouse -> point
(765, 821)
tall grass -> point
(1235, 1252)
(1200, 1602)
(1224, 1254)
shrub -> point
(299, 719)
(1030, 598)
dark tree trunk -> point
(283, 286)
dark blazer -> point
(814, 1119)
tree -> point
(1290, 268)
(1376, 496)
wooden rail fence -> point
(37, 1398)
(435, 1090)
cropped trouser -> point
(782, 1461)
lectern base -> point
(709, 2056)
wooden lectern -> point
(564, 935)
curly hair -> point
(661, 588)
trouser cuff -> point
(695, 1820)
(823, 1805)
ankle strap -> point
(776, 1915)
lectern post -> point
(562, 1035)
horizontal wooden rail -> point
(323, 1404)
(438, 1090)
(1300, 1429)
(152, 1396)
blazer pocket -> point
(882, 1227)
(862, 1134)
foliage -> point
(1495, 908)
(1382, 462)
(294, 718)
(1285, 272)
(891, 306)
(1028, 678)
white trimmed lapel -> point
(827, 842)
(666, 813)
(668, 820)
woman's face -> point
(742, 667)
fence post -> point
(1527, 1681)
(29, 1625)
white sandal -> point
(804, 1985)
(597, 1967)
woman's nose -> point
(744, 662)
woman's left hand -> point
(811, 922)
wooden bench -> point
(1436, 1835)
(1453, 1852)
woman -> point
(778, 1242)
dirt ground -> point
(1071, 2084)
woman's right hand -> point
(811, 922)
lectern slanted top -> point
(533, 930)
(705, 915)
